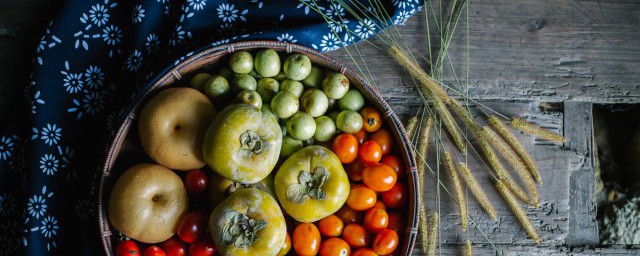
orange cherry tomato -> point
(354, 170)
(372, 119)
(397, 196)
(370, 152)
(286, 247)
(348, 215)
(379, 205)
(385, 242)
(361, 136)
(384, 138)
(331, 225)
(361, 198)
(397, 222)
(364, 252)
(346, 148)
(376, 220)
(356, 236)
(396, 163)
(306, 239)
(379, 177)
(334, 247)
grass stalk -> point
(515, 144)
(457, 189)
(535, 130)
(477, 191)
(520, 214)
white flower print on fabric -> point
(112, 35)
(133, 63)
(402, 17)
(93, 102)
(365, 28)
(259, 2)
(7, 204)
(197, 4)
(152, 43)
(286, 38)
(72, 82)
(47, 41)
(137, 14)
(329, 42)
(84, 209)
(229, 14)
(404, 4)
(306, 5)
(179, 36)
(49, 164)
(37, 206)
(99, 15)
(50, 133)
(220, 42)
(94, 77)
(6, 147)
(66, 154)
(8, 245)
(337, 22)
(49, 228)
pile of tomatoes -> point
(371, 222)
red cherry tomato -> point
(191, 226)
(372, 119)
(203, 246)
(356, 236)
(306, 239)
(397, 196)
(385, 242)
(396, 222)
(361, 198)
(348, 215)
(196, 182)
(396, 163)
(384, 138)
(364, 252)
(376, 220)
(379, 177)
(379, 205)
(361, 136)
(370, 152)
(354, 170)
(346, 148)
(331, 225)
(334, 247)
(127, 248)
(174, 247)
(153, 251)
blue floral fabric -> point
(92, 60)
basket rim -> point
(173, 72)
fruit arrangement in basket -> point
(269, 156)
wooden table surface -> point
(547, 61)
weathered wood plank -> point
(583, 228)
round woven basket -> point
(125, 149)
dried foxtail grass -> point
(535, 130)
(468, 249)
(433, 234)
(489, 153)
(457, 189)
(433, 91)
(423, 151)
(477, 191)
(515, 144)
(515, 206)
(515, 162)
(412, 125)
